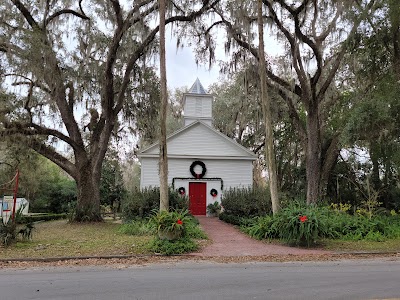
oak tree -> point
(75, 67)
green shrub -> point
(302, 224)
(143, 203)
(193, 230)
(54, 195)
(171, 224)
(166, 247)
(320, 222)
(8, 233)
(375, 236)
(262, 228)
(250, 202)
(377, 228)
(177, 230)
(138, 227)
(26, 231)
(392, 230)
(235, 220)
(42, 217)
(214, 208)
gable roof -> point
(200, 140)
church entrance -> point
(197, 198)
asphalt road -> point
(367, 279)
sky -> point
(182, 69)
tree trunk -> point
(88, 205)
(164, 201)
(313, 156)
(394, 13)
(375, 176)
(329, 161)
(265, 100)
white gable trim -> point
(250, 155)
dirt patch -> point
(149, 260)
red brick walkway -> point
(229, 241)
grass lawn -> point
(59, 238)
(362, 246)
(392, 245)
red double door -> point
(197, 198)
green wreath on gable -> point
(203, 169)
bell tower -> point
(197, 105)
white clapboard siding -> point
(201, 140)
(234, 173)
(149, 175)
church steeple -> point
(197, 88)
(197, 104)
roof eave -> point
(213, 157)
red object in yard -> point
(302, 219)
(197, 198)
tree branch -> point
(8, 48)
(54, 156)
(339, 57)
(25, 12)
(177, 6)
(117, 11)
(29, 82)
(237, 37)
(63, 12)
(140, 50)
(32, 129)
(293, 114)
(296, 58)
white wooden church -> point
(202, 162)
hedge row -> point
(141, 204)
(250, 202)
(42, 217)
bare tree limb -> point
(117, 11)
(8, 48)
(296, 58)
(336, 63)
(80, 7)
(25, 12)
(63, 12)
(30, 82)
(28, 99)
(54, 156)
(293, 114)
(140, 50)
(238, 38)
(32, 129)
(177, 6)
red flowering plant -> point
(300, 224)
(170, 224)
(303, 219)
